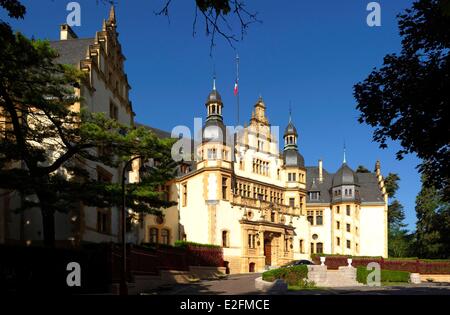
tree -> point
(433, 223)
(45, 143)
(399, 243)
(362, 169)
(407, 99)
(396, 214)
(217, 15)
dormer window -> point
(314, 195)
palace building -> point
(266, 208)
(263, 206)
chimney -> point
(320, 171)
(378, 167)
(67, 33)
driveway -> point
(244, 284)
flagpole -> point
(237, 81)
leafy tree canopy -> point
(362, 169)
(407, 99)
(48, 144)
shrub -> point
(386, 275)
(295, 275)
(410, 264)
(185, 244)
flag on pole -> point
(236, 88)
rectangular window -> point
(348, 228)
(348, 209)
(302, 249)
(165, 237)
(337, 209)
(103, 221)
(224, 188)
(289, 177)
(113, 111)
(292, 202)
(319, 217)
(225, 238)
(185, 192)
(338, 241)
(312, 248)
(349, 244)
(338, 225)
(154, 235)
(319, 248)
(294, 177)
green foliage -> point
(362, 169)
(391, 184)
(14, 8)
(184, 244)
(433, 223)
(386, 275)
(295, 275)
(401, 244)
(407, 99)
(53, 142)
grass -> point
(391, 276)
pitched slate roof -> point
(368, 186)
(72, 51)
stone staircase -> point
(344, 277)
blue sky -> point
(309, 53)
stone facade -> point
(267, 208)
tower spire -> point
(345, 158)
(214, 77)
(112, 14)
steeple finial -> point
(214, 77)
(112, 14)
(345, 158)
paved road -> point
(233, 285)
(245, 285)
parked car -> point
(299, 263)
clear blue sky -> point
(310, 53)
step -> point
(333, 279)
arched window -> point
(165, 236)
(154, 235)
(225, 239)
(213, 109)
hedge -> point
(185, 244)
(386, 275)
(413, 265)
(295, 275)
